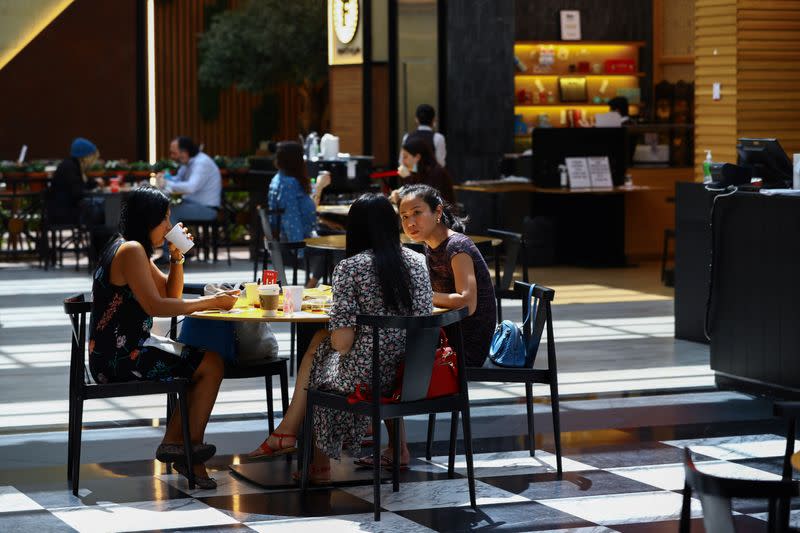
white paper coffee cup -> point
(177, 237)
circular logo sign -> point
(345, 19)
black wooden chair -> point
(514, 251)
(267, 369)
(715, 494)
(542, 298)
(81, 389)
(422, 339)
(277, 253)
(207, 235)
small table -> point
(338, 243)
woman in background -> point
(290, 190)
(420, 166)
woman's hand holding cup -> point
(180, 240)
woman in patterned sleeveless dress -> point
(128, 290)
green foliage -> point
(140, 165)
(35, 167)
(265, 42)
(165, 164)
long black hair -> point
(434, 199)
(373, 224)
(143, 209)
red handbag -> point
(444, 377)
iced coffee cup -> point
(268, 295)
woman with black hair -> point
(128, 290)
(420, 166)
(290, 190)
(378, 277)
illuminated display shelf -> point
(579, 75)
(571, 54)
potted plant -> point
(11, 170)
(140, 169)
(96, 170)
(36, 170)
(222, 164)
(239, 165)
(165, 165)
(116, 167)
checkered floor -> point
(613, 481)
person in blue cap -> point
(70, 183)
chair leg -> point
(270, 409)
(529, 407)
(376, 470)
(70, 436)
(285, 399)
(466, 424)
(556, 422)
(499, 310)
(308, 442)
(292, 339)
(431, 431)
(664, 255)
(451, 459)
(685, 524)
(76, 446)
(396, 455)
(187, 438)
(784, 504)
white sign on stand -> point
(570, 25)
(600, 172)
(578, 170)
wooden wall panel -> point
(768, 73)
(715, 61)
(380, 114)
(179, 24)
(346, 97)
(77, 77)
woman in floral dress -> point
(378, 277)
(128, 290)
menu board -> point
(600, 172)
(578, 170)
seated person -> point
(290, 190)
(128, 290)
(419, 166)
(198, 181)
(66, 201)
(459, 277)
(378, 277)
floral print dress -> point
(357, 290)
(120, 347)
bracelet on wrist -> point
(177, 261)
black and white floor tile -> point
(627, 486)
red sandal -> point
(266, 451)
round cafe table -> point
(337, 243)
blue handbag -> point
(211, 335)
(508, 347)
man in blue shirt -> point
(198, 181)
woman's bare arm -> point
(132, 267)
(466, 286)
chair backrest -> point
(514, 247)
(542, 317)
(272, 246)
(77, 308)
(422, 340)
(715, 494)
